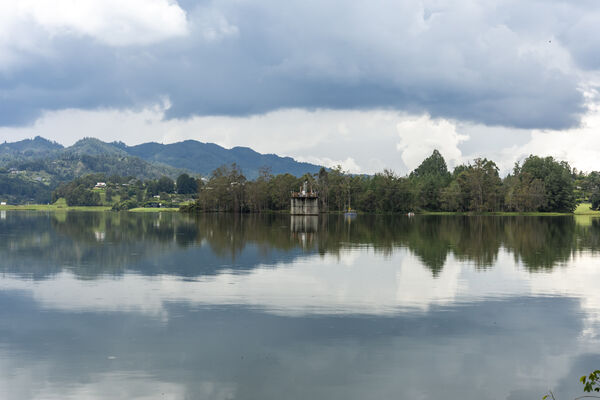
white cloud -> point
(212, 24)
(420, 136)
(27, 25)
(349, 164)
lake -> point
(168, 306)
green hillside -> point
(30, 147)
(30, 169)
(94, 147)
(203, 158)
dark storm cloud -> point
(479, 62)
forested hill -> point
(28, 148)
(51, 163)
(203, 158)
(91, 155)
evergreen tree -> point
(430, 178)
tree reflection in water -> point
(98, 243)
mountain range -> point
(148, 160)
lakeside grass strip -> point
(52, 207)
(582, 209)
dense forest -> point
(538, 184)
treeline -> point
(124, 192)
(538, 184)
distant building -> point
(2, 203)
(304, 202)
(100, 185)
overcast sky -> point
(365, 84)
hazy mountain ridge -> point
(147, 160)
(203, 158)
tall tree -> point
(323, 187)
(480, 184)
(429, 179)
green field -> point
(54, 207)
(584, 209)
(61, 205)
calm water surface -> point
(166, 306)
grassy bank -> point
(61, 205)
(53, 207)
(498, 213)
(582, 209)
(585, 209)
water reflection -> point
(304, 229)
(94, 244)
(232, 353)
(154, 306)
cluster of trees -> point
(123, 192)
(79, 192)
(185, 184)
(538, 184)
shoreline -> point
(582, 209)
(52, 207)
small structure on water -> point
(304, 202)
